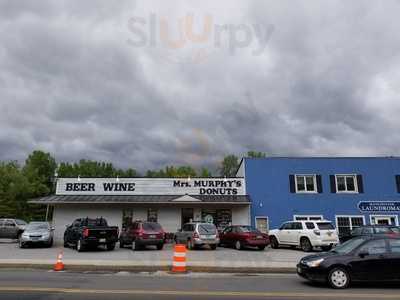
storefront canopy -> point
(144, 199)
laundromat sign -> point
(150, 186)
(379, 206)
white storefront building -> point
(168, 201)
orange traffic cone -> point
(59, 266)
(179, 263)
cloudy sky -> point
(149, 83)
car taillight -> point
(85, 232)
(141, 232)
(195, 235)
(317, 232)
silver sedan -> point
(37, 233)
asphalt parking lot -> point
(9, 251)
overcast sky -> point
(134, 83)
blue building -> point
(348, 191)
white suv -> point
(306, 234)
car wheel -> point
(326, 248)
(305, 244)
(261, 248)
(274, 242)
(160, 246)
(79, 246)
(213, 246)
(238, 245)
(339, 278)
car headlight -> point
(314, 263)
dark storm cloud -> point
(73, 81)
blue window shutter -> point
(360, 184)
(319, 184)
(292, 184)
(333, 183)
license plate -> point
(152, 236)
(35, 239)
(259, 237)
(206, 237)
(102, 240)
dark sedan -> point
(240, 237)
(360, 259)
(368, 230)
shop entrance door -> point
(187, 216)
(384, 220)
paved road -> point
(50, 285)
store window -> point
(345, 224)
(346, 183)
(306, 184)
(384, 220)
(152, 215)
(127, 217)
(219, 217)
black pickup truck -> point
(89, 233)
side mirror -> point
(363, 254)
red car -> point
(140, 234)
(240, 236)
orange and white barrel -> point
(179, 262)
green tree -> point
(256, 154)
(229, 166)
(205, 173)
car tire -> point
(160, 246)
(110, 246)
(213, 246)
(274, 242)
(326, 248)
(79, 246)
(339, 278)
(238, 245)
(261, 248)
(305, 244)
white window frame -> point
(349, 217)
(346, 191)
(396, 219)
(308, 217)
(315, 191)
(261, 217)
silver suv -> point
(195, 235)
(11, 228)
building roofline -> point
(320, 157)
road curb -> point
(132, 268)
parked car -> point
(196, 235)
(368, 230)
(37, 233)
(240, 236)
(11, 228)
(140, 234)
(305, 234)
(375, 258)
(85, 233)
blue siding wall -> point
(267, 183)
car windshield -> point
(348, 246)
(20, 222)
(325, 226)
(95, 222)
(247, 229)
(151, 226)
(207, 229)
(38, 226)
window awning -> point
(144, 199)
